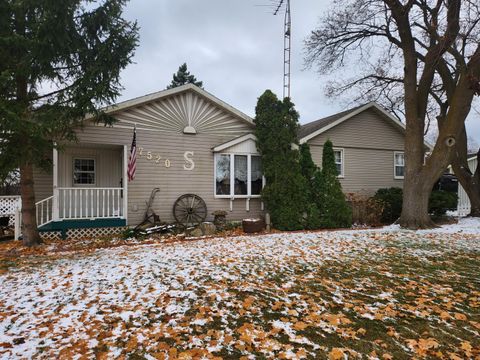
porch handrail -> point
(89, 188)
(90, 202)
(44, 211)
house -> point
(190, 142)
(368, 145)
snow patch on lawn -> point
(114, 294)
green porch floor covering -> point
(65, 225)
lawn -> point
(371, 294)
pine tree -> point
(334, 210)
(59, 60)
(285, 190)
(183, 77)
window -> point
(256, 175)
(222, 170)
(399, 165)
(241, 175)
(83, 171)
(338, 153)
(238, 175)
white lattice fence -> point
(94, 232)
(51, 235)
(8, 206)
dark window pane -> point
(399, 171)
(256, 175)
(84, 171)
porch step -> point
(65, 225)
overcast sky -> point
(235, 47)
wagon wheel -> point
(189, 209)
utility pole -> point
(287, 45)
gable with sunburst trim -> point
(187, 112)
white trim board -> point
(234, 142)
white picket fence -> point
(463, 201)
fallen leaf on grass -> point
(336, 354)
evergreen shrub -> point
(286, 189)
(440, 201)
(334, 209)
(392, 200)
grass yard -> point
(383, 294)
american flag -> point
(132, 161)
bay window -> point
(238, 175)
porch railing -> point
(44, 210)
(89, 203)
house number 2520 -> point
(189, 164)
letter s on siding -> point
(189, 164)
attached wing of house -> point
(368, 143)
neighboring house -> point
(188, 141)
(368, 144)
(463, 200)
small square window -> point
(84, 171)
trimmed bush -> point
(312, 174)
(334, 210)
(286, 189)
(392, 200)
(441, 201)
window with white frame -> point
(83, 171)
(238, 175)
(338, 153)
(399, 165)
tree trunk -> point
(31, 237)
(472, 189)
(470, 182)
(416, 194)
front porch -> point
(90, 189)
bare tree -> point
(422, 54)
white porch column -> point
(125, 182)
(55, 208)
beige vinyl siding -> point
(368, 141)
(159, 135)
(43, 183)
(108, 164)
(365, 170)
(367, 130)
(175, 180)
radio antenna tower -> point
(287, 45)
